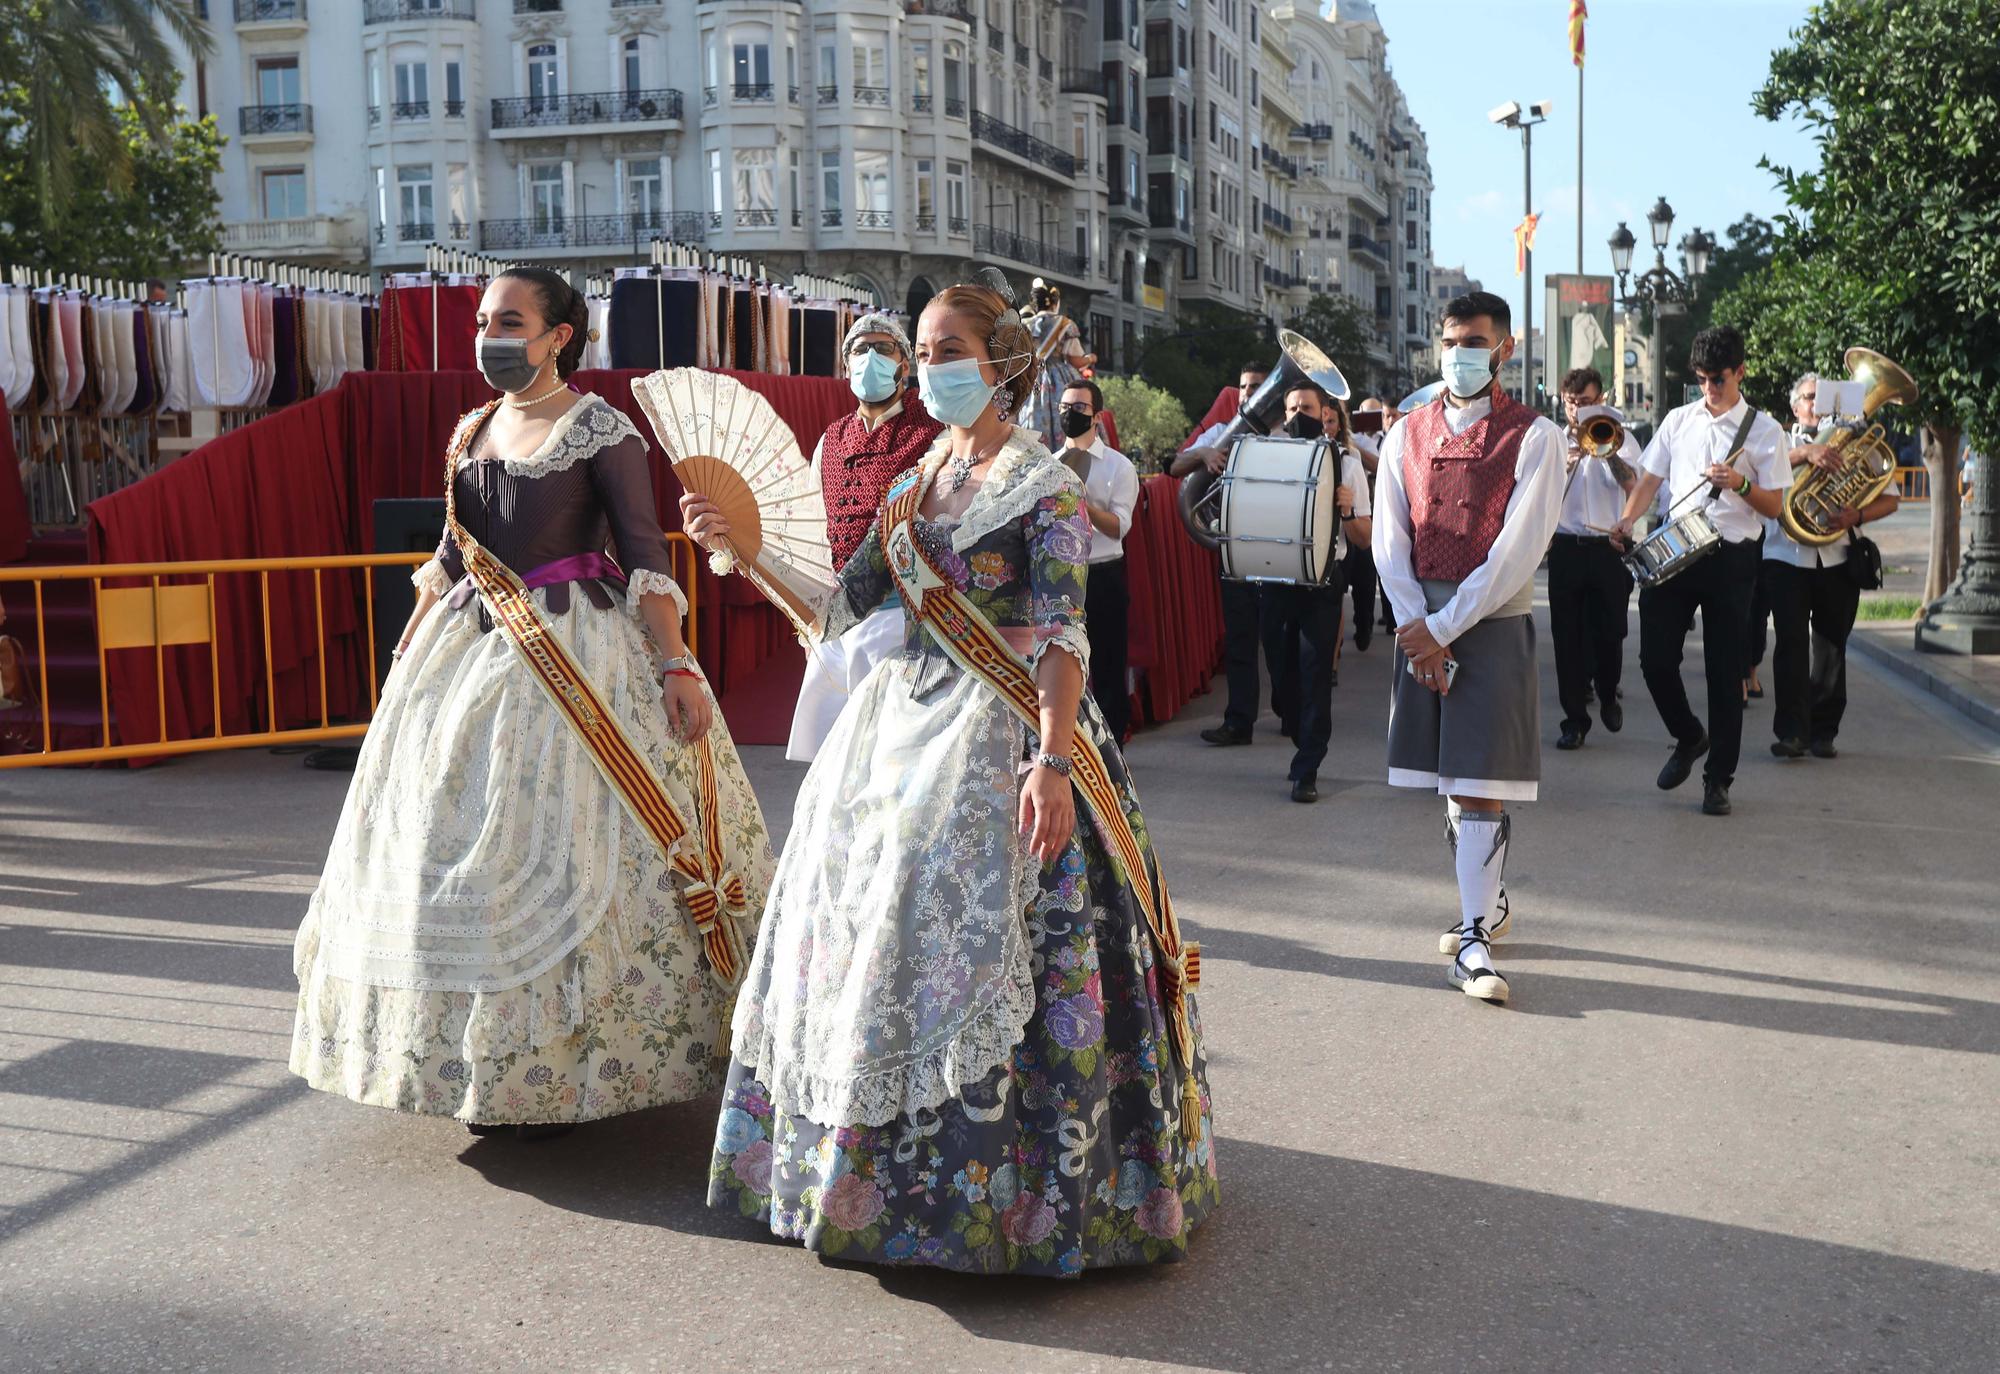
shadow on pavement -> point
(1318, 1262)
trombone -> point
(1601, 436)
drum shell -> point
(1674, 547)
(1278, 520)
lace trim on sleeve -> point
(1070, 636)
(644, 581)
(432, 578)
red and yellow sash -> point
(976, 646)
(713, 893)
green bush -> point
(1152, 424)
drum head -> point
(1277, 521)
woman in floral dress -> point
(495, 937)
(1060, 359)
(955, 1045)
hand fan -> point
(727, 444)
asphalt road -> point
(1740, 1115)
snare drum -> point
(1674, 547)
(1279, 520)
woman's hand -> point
(704, 523)
(688, 714)
(1048, 813)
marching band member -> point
(857, 459)
(1469, 492)
(1724, 446)
(1589, 587)
(1110, 496)
(1813, 603)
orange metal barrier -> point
(156, 617)
(1914, 484)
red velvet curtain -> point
(1176, 612)
(14, 527)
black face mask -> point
(1076, 424)
(1304, 426)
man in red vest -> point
(858, 458)
(1468, 492)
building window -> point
(871, 190)
(926, 194)
(954, 195)
(954, 79)
(798, 195)
(829, 186)
(278, 81)
(284, 193)
(544, 83)
(454, 86)
(548, 205)
(413, 201)
(920, 69)
(458, 194)
(829, 64)
(413, 86)
(750, 68)
(642, 192)
(1083, 236)
(756, 198)
(715, 200)
(871, 66)
(635, 76)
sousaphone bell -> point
(1301, 362)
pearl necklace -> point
(533, 401)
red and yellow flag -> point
(1524, 240)
(1577, 14)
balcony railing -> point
(871, 95)
(1029, 252)
(1361, 243)
(264, 11)
(1277, 219)
(1020, 54)
(684, 226)
(1045, 68)
(1162, 217)
(607, 107)
(996, 40)
(829, 219)
(875, 219)
(921, 102)
(954, 106)
(454, 109)
(1022, 144)
(275, 119)
(1316, 132)
(754, 218)
(374, 115)
(827, 95)
(410, 109)
(538, 6)
(752, 92)
(926, 224)
(960, 226)
(1084, 81)
(392, 11)
(581, 231)
(416, 231)
(961, 10)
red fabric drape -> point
(1176, 609)
(303, 482)
(14, 527)
(404, 319)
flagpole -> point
(1579, 169)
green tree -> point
(1901, 219)
(159, 219)
(1151, 423)
(1206, 351)
(1746, 256)
(1338, 323)
(62, 58)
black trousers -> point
(1814, 610)
(1589, 590)
(1720, 587)
(1242, 605)
(1304, 622)
(1107, 604)
(1359, 566)
(1756, 640)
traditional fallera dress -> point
(1059, 346)
(497, 936)
(947, 1053)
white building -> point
(1137, 153)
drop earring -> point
(1003, 401)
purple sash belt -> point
(578, 567)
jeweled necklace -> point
(960, 471)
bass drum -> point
(1277, 520)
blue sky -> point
(1667, 112)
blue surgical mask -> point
(873, 377)
(1467, 371)
(954, 393)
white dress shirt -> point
(1594, 500)
(1780, 547)
(1211, 436)
(1692, 438)
(1530, 521)
(1113, 485)
(1353, 476)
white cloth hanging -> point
(180, 363)
(78, 372)
(100, 359)
(598, 352)
(123, 317)
(354, 324)
(218, 341)
(257, 328)
(21, 343)
(9, 366)
(313, 316)
(780, 330)
(54, 358)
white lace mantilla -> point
(894, 964)
(586, 428)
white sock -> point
(1482, 854)
(1453, 814)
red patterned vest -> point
(856, 469)
(1459, 484)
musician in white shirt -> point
(1721, 452)
(1110, 496)
(1589, 587)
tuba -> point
(1867, 464)
(1300, 363)
(1600, 436)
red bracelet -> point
(682, 672)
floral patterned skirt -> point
(1070, 1157)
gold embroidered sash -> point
(713, 893)
(979, 648)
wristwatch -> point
(1060, 763)
(679, 663)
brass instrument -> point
(1600, 436)
(1867, 464)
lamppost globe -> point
(1661, 218)
(1698, 246)
(1622, 244)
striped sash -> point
(713, 893)
(976, 646)
(1045, 351)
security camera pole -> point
(1510, 116)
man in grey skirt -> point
(1468, 493)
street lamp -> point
(1660, 287)
(1511, 116)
